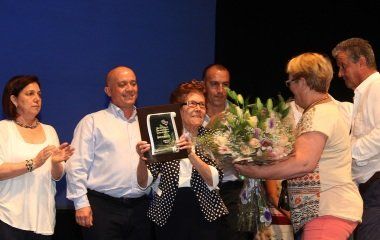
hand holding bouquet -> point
(255, 133)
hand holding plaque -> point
(163, 132)
(161, 127)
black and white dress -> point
(210, 202)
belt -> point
(363, 187)
(125, 201)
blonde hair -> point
(314, 67)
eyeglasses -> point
(194, 104)
(287, 82)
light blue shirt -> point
(105, 157)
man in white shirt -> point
(216, 78)
(101, 175)
(357, 66)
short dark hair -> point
(179, 95)
(13, 87)
(214, 65)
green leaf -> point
(232, 94)
(285, 112)
(232, 109)
(280, 98)
(246, 102)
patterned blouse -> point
(315, 194)
(209, 201)
(304, 191)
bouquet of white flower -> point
(247, 133)
(253, 133)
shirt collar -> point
(369, 80)
(118, 112)
(207, 117)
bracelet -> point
(29, 165)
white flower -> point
(266, 217)
(254, 142)
(259, 153)
(269, 104)
(277, 152)
(223, 150)
(246, 114)
(283, 141)
(230, 118)
(221, 140)
(245, 150)
(240, 99)
(252, 121)
(239, 111)
(270, 125)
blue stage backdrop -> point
(71, 45)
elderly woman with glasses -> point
(186, 203)
(324, 201)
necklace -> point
(316, 102)
(31, 126)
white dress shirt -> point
(365, 129)
(105, 158)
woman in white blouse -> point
(186, 201)
(31, 160)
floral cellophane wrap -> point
(251, 134)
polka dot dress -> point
(210, 202)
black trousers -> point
(186, 221)
(115, 219)
(230, 193)
(369, 229)
(8, 232)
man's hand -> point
(83, 216)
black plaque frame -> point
(143, 113)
